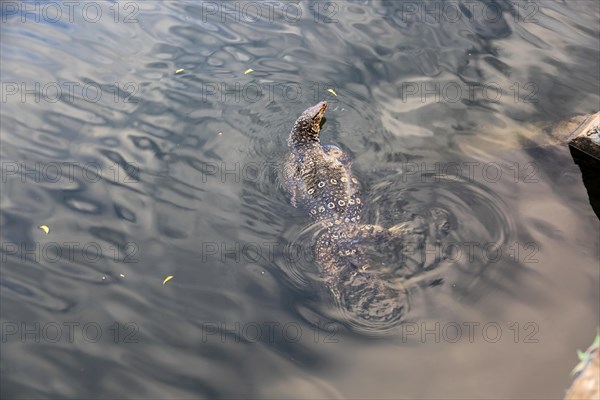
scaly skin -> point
(320, 179)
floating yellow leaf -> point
(167, 279)
(179, 70)
(44, 228)
(332, 92)
(246, 72)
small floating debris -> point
(122, 276)
(246, 72)
(167, 279)
(179, 70)
(44, 228)
(220, 133)
(332, 92)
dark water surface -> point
(142, 171)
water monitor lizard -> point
(319, 178)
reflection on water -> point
(142, 173)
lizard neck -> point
(300, 143)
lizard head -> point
(308, 125)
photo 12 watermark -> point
(69, 171)
(70, 251)
(233, 92)
(254, 91)
(289, 12)
(329, 333)
(469, 171)
(129, 12)
(268, 332)
(243, 91)
(68, 92)
(52, 12)
(462, 11)
(469, 252)
(68, 332)
(236, 172)
(470, 331)
(460, 91)
(461, 252)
